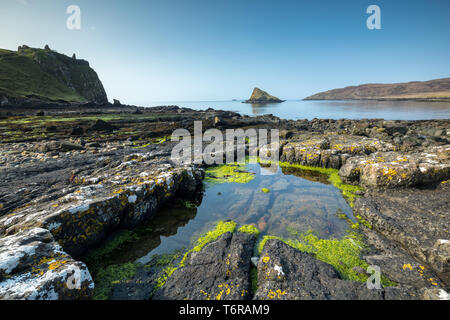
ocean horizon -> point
(329, 109)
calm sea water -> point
(298, 109)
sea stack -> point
(260, 96)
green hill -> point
(38, 76)
(432, 90)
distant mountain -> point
(260, 96)
(33, 77)
(433, 90)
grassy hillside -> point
(438, 90)
(45, 75)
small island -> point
(260, 96)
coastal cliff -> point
(35, 77)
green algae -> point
(355, 225)
(228, 173)
(254, 279)
(249, 228)
(350, 192)
(166, 273)
(107, 277)
(343, 254)
(221, 228)
(189, 204)
(99, 257)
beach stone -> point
(220, 271)
(34, 267)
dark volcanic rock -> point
(285, 273)
(77, 131)
(220, 271)
(417, 219)
(101, 125)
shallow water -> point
(298, 201)
(299, 109)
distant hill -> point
(433, 90)
(33, 77)
(260, 96)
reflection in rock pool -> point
(278, 202)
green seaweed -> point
(254, 279)
(189, 204)
(99, 257)
(166, 273)
(221, 228)
(343, 254)
(249, 228)
(348, 191)
(107, 277)
(228, 173)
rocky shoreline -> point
(73, 176)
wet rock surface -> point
(72, 176)
(417, 221)
(220, 271)
(285, 273)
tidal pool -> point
(279, 201)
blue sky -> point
(156, 50)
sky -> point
(191, 50)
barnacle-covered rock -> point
(330, 151)
(396, 169)
(125, 195)
(33, 266)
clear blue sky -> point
(155, 50)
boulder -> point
(34, 267)
(331, 151)
(397, 169)
(101, 125)
(77, 131)
(220, 271)
(285, 273)
(83, 217)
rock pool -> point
(279, 201)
